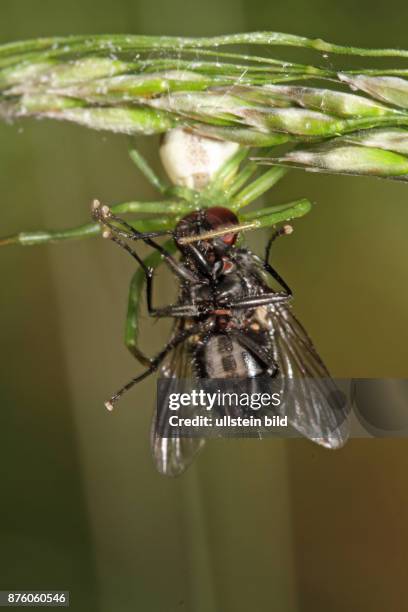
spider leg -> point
(89, 230)
(258, 187)
(147, 171)
(137, 284)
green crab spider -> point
(228, 187)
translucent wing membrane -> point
(317, 408)
(172, 455)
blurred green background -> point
(253, 525)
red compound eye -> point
(217, 216)
(206, 220)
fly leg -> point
(285, 230)
(153, 364)
(173, 310)
(104, 215)
(278, 278)
(142, 276)
(259, 300)
(145, 275)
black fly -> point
(230, 324)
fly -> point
(229, 323)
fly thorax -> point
(229, 288)
(200, 293)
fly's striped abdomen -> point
(223, 357)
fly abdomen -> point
(223, 357)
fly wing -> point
(173, 454)
(315, 407)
